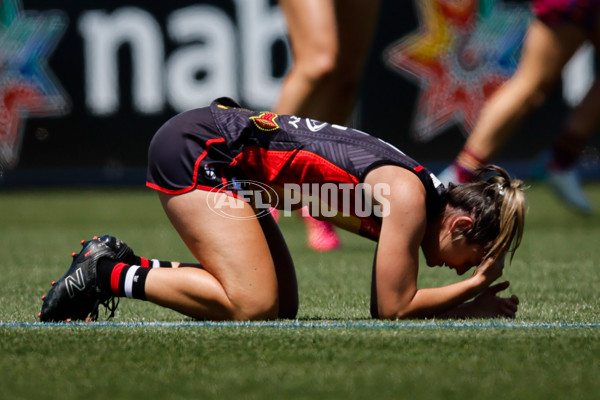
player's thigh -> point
(311, 25)
(284, 268)
(225, 236)
(546, 51)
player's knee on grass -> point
(258, 307)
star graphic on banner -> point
(462, 51)
(27, 86)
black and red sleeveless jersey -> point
(282, 149)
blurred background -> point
(85, 84)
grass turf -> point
(555, 273)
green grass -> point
(556, 274)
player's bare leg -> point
(581, 124)
(330, 41)
(238, 279)
(545, 53)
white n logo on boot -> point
(75, 283)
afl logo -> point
(224, 199)
(265, 121)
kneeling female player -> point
(203, 158)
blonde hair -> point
(497, 205)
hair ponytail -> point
(497, 205)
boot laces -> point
(110, 304)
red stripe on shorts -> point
(196, 168)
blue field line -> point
(305, 324)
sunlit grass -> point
(555, 273)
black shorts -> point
(188, 153)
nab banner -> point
(84, 85)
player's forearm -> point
(430, 302)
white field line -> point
(307, 324)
